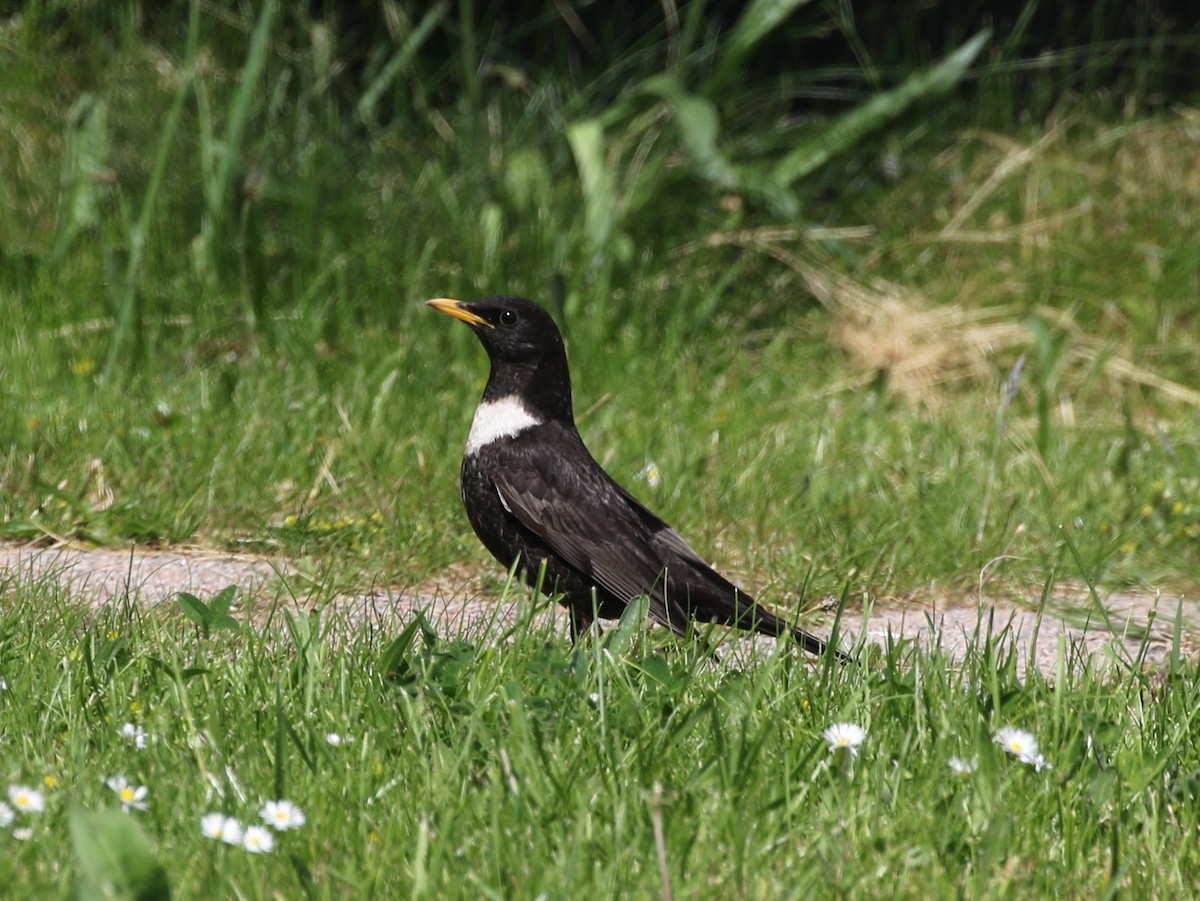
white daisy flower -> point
(337, 740)
(1038, 762)
(1022, 745)
(6, 815)
(650, 474)
(282, 815)
(135, 734)
(133, 797)
(959, 765)
(26, 799)
(1017, 742)
(845, 737)
(217, 825)
(258, 840)
(211, 824)
(3, 684)
(24, 834)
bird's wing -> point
(569, 502)
(594, 525)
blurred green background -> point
(891, 292)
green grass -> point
(977, 382)
(762, 464)
(524, 769)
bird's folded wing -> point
(587, 520)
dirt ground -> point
(1140, 626)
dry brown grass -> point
(1074, 185)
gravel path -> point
(1140, 624)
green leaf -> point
(225, 621)
(586, 138)
(850, 128)
(698, 124)
(630, 624)
(223, 600)
(114, 858)
(760, 19)
(397, 663)
(197, 611)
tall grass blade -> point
(128, 319)
(217, 182)
(84, 164)
(850, 128)
(586, 138)
(399, 61)
(759, 20)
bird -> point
(538, 500)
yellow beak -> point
(458, 310)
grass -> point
(522, 768)
(974, 377)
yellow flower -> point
(112, 634)
(84, 366)
(51, 781)
(135, 707)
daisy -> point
(650, 474)
(217, 825)
(1038, 762)
(963, 766)
(282, 815)
(845, 737)
(6, 815)
(258, 840)
(132, 797)
(135, 734)
(26, 799)
(1022, 745)
(23, 834)
(338, 740)
(1017, 742)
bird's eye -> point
(508, 318)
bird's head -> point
(511, 329)
(524, 346)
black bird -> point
(535, 496)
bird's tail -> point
(762, 620)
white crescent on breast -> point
(503, 418)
